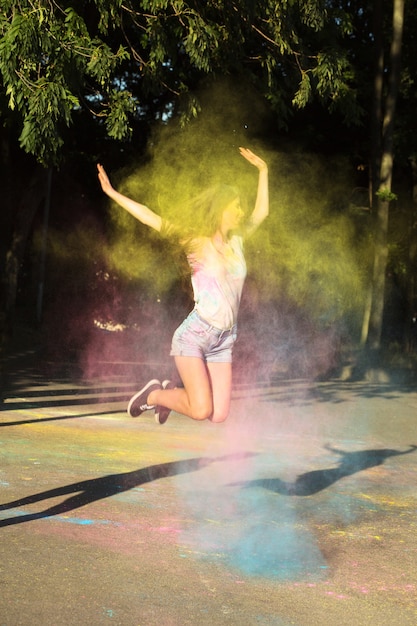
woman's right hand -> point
(104, 179)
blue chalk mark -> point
(75, 520)
(282, 553)
(59, 518)
(254, 533)
(81, 521)
(275, 543)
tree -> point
(52, 61)
(56, 58)
(386, 87)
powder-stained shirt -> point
(218, 274)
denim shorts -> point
(196, 337)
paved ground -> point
(300, 510)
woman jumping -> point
(202, 345)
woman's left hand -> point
(253, 159)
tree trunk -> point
(383, 193)
(375, 151)
(376, 113)
(378, 276)
(411, 321)
(25, 212)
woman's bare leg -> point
(194, 400)
(206, 393)
(221, 385)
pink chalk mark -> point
(166, 529)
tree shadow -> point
(313, 482)
(88, 491)
(38, 420)
(62, 396)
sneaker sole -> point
(162, 412)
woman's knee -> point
(202, 412)
(218, 418)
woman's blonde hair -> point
(202, 215)
(207, 208)
(201, 218)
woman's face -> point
(232, 215)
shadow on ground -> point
(313, 482)
(88, 491)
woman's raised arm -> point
(261, 209)
(140, 211)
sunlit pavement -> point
(301, 509)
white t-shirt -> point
(218, 275)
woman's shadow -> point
(312, 482)
(88, 491)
